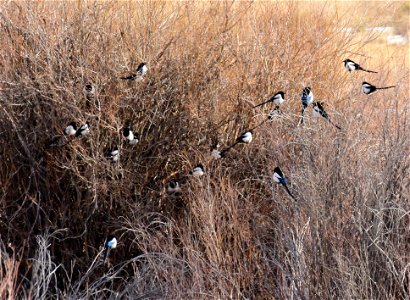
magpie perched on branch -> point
(276, 99)
(350, 65)
(83, 130)
(142, 70)
(133, 138)
(280, 179)
(71, 129)
(307, 98)
(319, 111)
(88, 91)
(110, 243)
(368, 88)
(113, 154)
(198, 171)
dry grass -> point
(230, 236)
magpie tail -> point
(263, 103)
(368, 71)
(287, 190)
(386, 87)
(230, 147)
(338, 127)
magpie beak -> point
(198, 171)
(368, 88)
(110, 243)
(132, 137)
(71, 129)
(113, 154)
(307, 98)
(83, 130)
(280, 179)
(350, 65)
(319, 111)
(276, 99)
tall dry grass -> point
(230, 236)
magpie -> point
(307, 98)
(173, 188)
(280, 179)
(319, 111)
(71, 129)
(88, 91)
(132, 137)
(350, 65)
(276, 99)
(110, 243)
(113, 154)
(368, 88)
(83, 130)
(198, 171)
(142, 69)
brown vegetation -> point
(230, 236)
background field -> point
(230, 235)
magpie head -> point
(126, 131)
(281, 93)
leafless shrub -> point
(230, 235)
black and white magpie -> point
(71, 129)
(368, 88)
(83, 130)
(350, 65)
(198, 171)
(113, 154)
(276, 99)
(133, 138)
(110, 243)
(319, 111)
(307, 98)
(280, 179)
(88, 91)
(142, 69)
(173, 188)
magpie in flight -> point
(71, 129)
(113, 154)
(142, 69)
(350, 65)
(307, 98)
(368, 88)
(276, 99)
(198, 171)
(280, 179)
(83, 130)
(133, 138)
(110, 243)
(319, 111)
